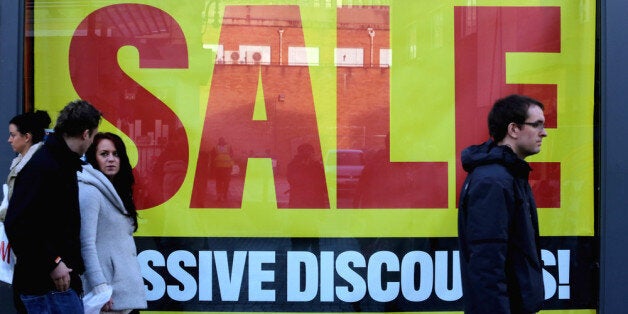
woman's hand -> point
(107, 307)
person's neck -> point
(25, 150)
(74, 143)
(506, 142)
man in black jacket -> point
(43, 219)
(497, 220)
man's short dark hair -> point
(512, 108)
(76, 117)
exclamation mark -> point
(563, 274)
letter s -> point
(145, 259)
(98, 78)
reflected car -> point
(350, 163)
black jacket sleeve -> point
(488, 208)
(30, 220)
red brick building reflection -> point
(265, 45)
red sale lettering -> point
(5, 252)
(288, 134)
(483, 36)
(98, 78)
(363, 91)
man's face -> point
(88, 140)
(532, 133)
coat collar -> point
(93, 177)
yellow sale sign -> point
(324, 137)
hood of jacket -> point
(489, 153)
(97, 179)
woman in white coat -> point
(108, 220)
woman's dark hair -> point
(34, 123)
(123, 181)
(512, 108)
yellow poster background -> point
(421, 106)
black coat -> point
(43, 220)
(498, 233)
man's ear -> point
(85, 134)
(513, 130)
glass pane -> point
(322, 139)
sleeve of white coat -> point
(90, 203)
